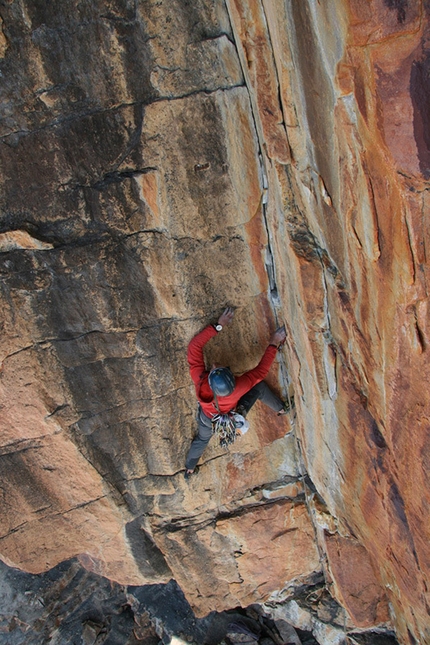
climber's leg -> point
(261, 392)
(201, 440)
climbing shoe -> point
(187, 473)
(288, 405)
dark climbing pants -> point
(261, 392)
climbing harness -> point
(228, 425)
(224, 426)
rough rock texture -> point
(159, 160)
(131, 211)
(71, 605)
(348, 228)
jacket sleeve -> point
(254, 376)
(195, 356)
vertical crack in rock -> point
(276, 302)
(320, 106)
(134, 198)
(277, 75)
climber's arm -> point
(195, 356)
(254, 376)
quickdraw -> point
(224, 426)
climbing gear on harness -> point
(221, 381)
(228, 427)
(242, 425)
(288, 405)
(224, 426)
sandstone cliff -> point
(159, 160)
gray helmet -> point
(221, 381)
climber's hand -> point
(226, 317)
(278, 337)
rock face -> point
(349, 239)
(71, 605)
(159, 160)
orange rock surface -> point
(269, 155)
(347, 218)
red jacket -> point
(243, 383)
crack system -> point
(326, 264)
(115, 176)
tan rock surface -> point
(355, 581)
(243, 558)
(133, 208)
(346, 241)
(137, 218)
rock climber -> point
(219, 391)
